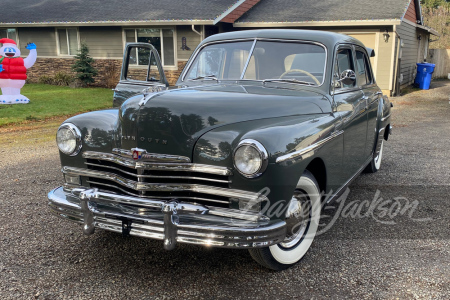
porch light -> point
(386, 36)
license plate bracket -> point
(126, 227)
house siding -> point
(103, 42)
(44, 38)
(385, 61)
(192, 41)
(411, 12)
(412, 51)
(239, 11)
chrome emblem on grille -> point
(143, 139)
(137, 153)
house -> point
(394, 28)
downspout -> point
(199, 33)
(397, 65)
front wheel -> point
(302, 220)
(375, 163)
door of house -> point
(142, 73)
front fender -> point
(98, 133)
(280, 136)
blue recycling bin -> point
(423, 77)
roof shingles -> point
(99, 11)
(281, 11)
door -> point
(351, 106)
(142, 73)
(372, 94)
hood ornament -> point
(151, 92)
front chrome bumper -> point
(171, 221)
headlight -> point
(68, 139)
(250, 158)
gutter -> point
(108, 23)
(396, 91)
(320, 23)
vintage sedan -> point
(263, 129)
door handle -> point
(366, 98)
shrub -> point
(45, 79)
(60, 78)
(111, 74)
(83, 65)
(63, 79)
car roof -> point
(329, 39)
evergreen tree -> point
(83, 65)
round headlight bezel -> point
(262, 153)
(77, 135)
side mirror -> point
(347, 77)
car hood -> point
(171, 122)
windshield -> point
(297, 62)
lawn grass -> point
(48, 101)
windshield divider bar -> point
(248, 60)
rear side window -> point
(364, 73)
(344, 62)
(369, 70)
(362, 69)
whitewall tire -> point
(302, 221)
(375, 163)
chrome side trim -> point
(185, 167)
(386, 117)
(298, 155)
(162, 187)
(153, 157)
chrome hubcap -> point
(298, 216)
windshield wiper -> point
(288, 80)
(212, 77)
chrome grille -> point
(170, 178)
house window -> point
(67, 41)
(161, 39)
(9, 33)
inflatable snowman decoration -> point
(13, 71)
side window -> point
(142, 65)
(344, 62)
(361, 74)
(369, 70)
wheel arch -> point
(387, 131)
(319, 171)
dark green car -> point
(263, 129)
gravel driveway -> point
(382, 254)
